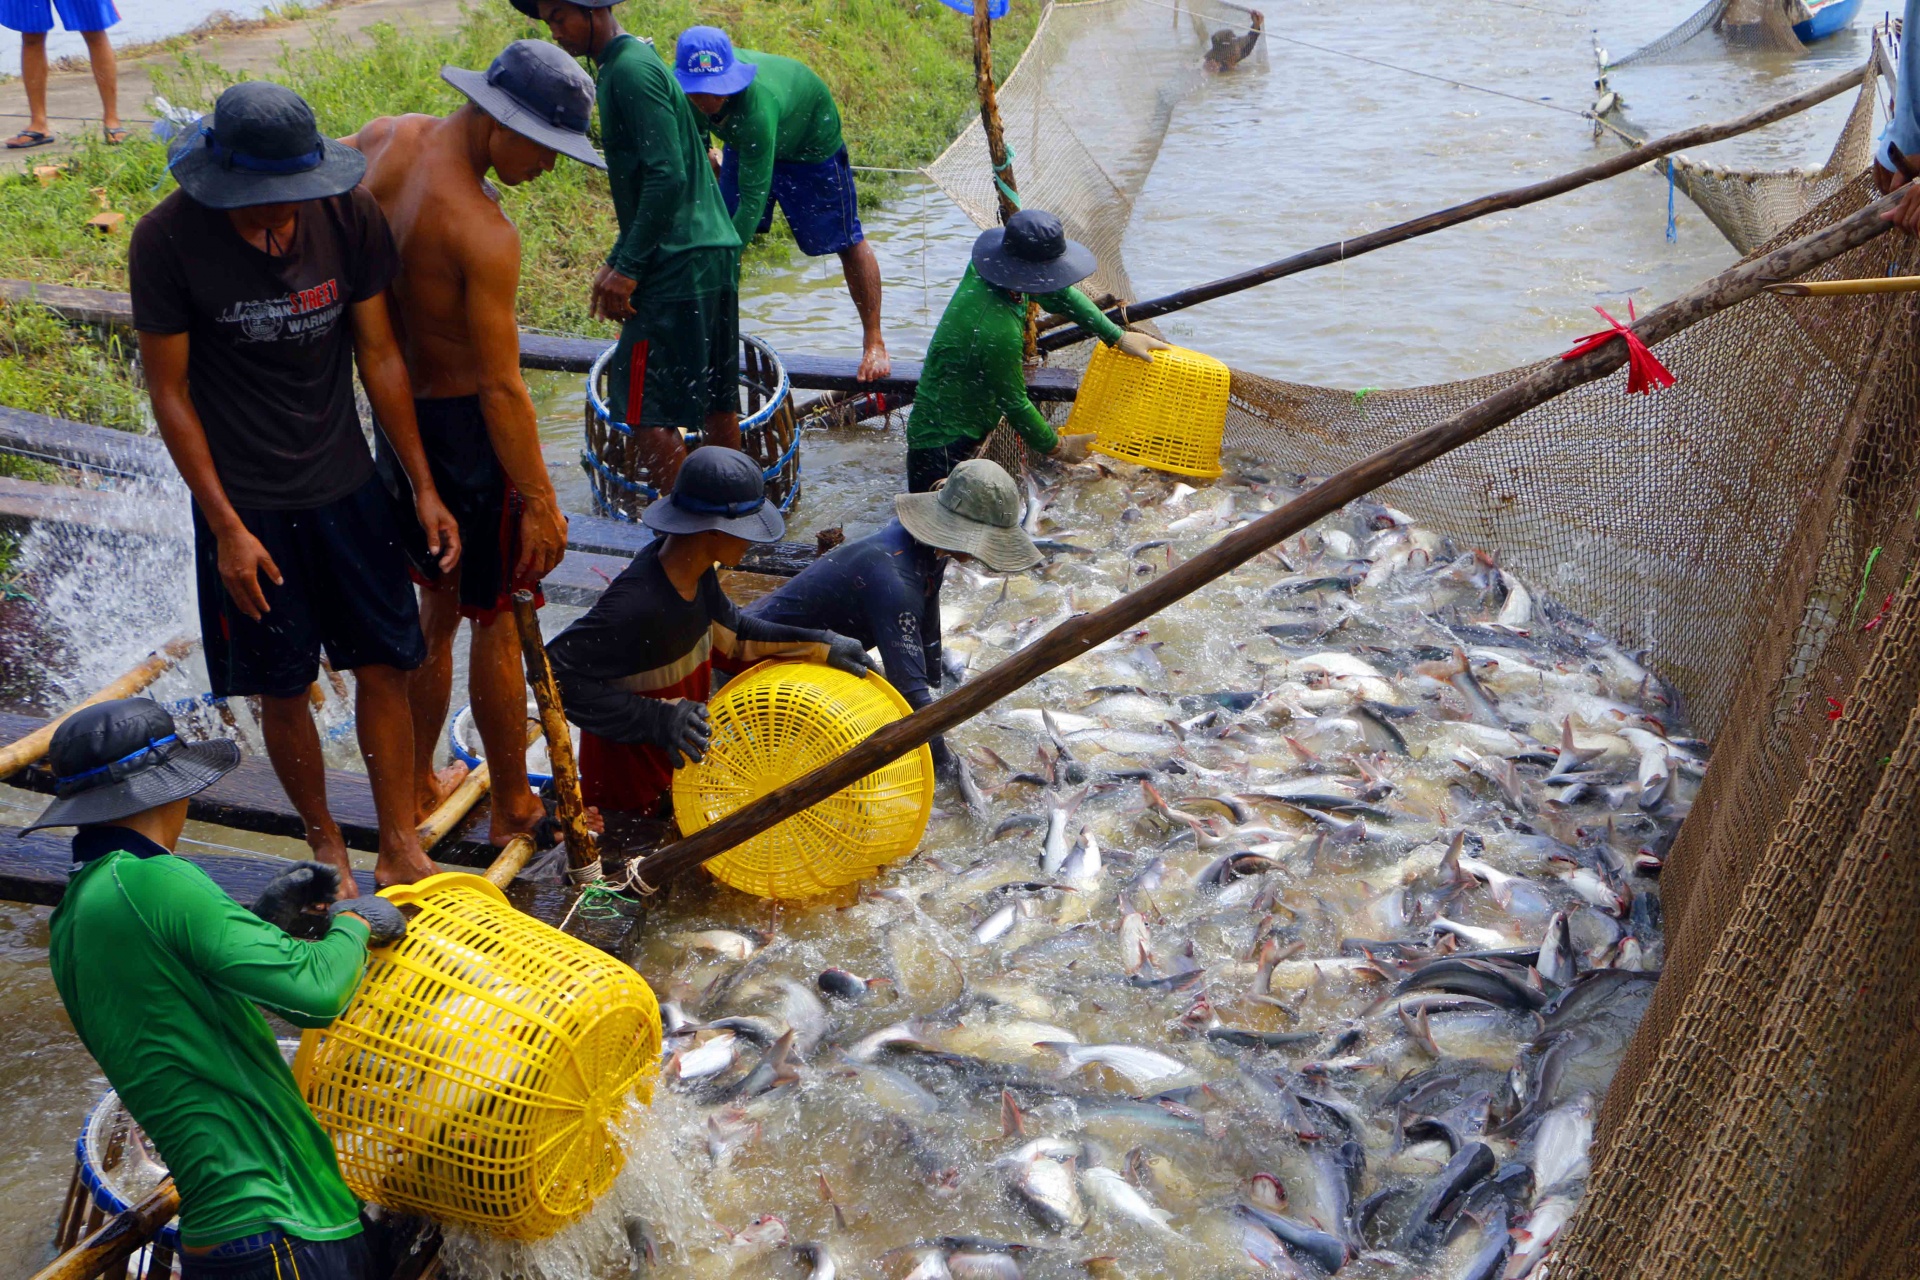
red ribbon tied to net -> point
(1644, 370)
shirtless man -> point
(1227, 50)
(453, 305)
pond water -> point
(1255, 165)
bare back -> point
(448, 225)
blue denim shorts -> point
(819, 200)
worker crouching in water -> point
(884, 589)
(976, 373)
(161, 971)
(636, 671)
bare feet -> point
(442, 783)
(403, 868)
(514, 816)
(595, 822)
(335, 855)
(874, 363)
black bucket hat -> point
(718, 489)
(261, 146)
(1031, 254)
(120, 758)
(536, 90)
(532, 7)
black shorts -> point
(680, 360)
(344, 586)
(281, 1257)
(482, 499)
(928, 467)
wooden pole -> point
(1342, 250)
(1078, 635)
(1005, 189)
(512, 861)
(1845, 288)
(583, 847)
(28, 750)
(117, 1238)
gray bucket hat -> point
(120, 758)
(977, 511)
(718, 488)
(262, 146)
(536, 90)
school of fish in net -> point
(1298, 933)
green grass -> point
(68, 371)
(901, 70)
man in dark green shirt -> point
(161, 971)
(975, 373)
(782, 135)
(672, 278)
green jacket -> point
(676, 239)
(786, 115)
(160, 971)
(975, 374)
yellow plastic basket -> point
(474, 1077)
(1169, 414)
(776, 722)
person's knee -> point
(440, 612)
(35, 40)
(379, 682)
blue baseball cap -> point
(703, 62)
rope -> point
(1673, 228)
(1006, 166)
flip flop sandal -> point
(28, 138)
(116, 135)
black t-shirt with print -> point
(270, 340)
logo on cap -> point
(705, 62)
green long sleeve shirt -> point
(786, 115)
(676, 239)
(975, 374)
(160, 972)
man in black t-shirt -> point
(264, 277)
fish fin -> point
(1013, 1121)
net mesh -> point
(1749, 24)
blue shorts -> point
(819, 200)
(35, 17)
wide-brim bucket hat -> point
(704, 62)
(532, 9)
(260, 146)
(976, 512)
(536, 90)
(120, 758)
(1031, 254)
(718, 488)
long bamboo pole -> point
(1846, 288)
(1517, 197)
(116, 1238)
(989, 96)
(16, 756)
(1078, 635)
(583, 847)
(460, 801)
(511, 862)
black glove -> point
(385, 923)
(844, 653)
(292, 899)
(684, 732)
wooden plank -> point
(27, 501)
(34, 868)
(81, 444)
(564, 355)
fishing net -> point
(1747, 24)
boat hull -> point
(1827, 20)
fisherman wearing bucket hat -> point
(884, 589)
(455, 296)
(636, 671)
(672, 278)
(257, 288)
(975, 373)
(160, 972)
(781, 130)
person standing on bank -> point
(975, 373)
(783, 144)
(1896, 155)
(635, 673)
(453, 304)
(884, 589)
(672, 279)
(257, 287)
(91, 18)
(161, 971)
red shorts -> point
(618, 777)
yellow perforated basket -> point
(1169, 414)
(475, 1075)
(784, 719)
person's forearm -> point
(384, 374)
(756, 184)
(613, 713)
(186, 441)
(1024, 418)
(1075, 304)
(513, 429)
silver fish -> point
(819, 1258)
(1116, 1196)
(1042, 1177)
(1054, 850)
(1140, 1066)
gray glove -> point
(684, 732)
(844, 653)
(385, 923)
(294, 899)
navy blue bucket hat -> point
(1031, 254)
(536, 90)
(120, 758)
(722, 489)
(261, 146)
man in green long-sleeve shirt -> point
(672, 278)
(975, 373)
(782, 135)
(161, 971)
